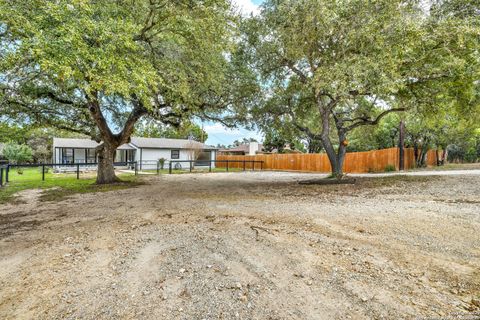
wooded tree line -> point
(326, 73)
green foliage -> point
(57, 186)
(237, 143)
(384, 135)
(17, 153)
(390, 168)
(12, 132)
(98, 67)
(186, 130)
(331, 67)
(118, 48)
(274, 141)
(279, 140)
(161, 162)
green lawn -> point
(58, 186)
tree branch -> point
(138, 111)
(368, 121)
(297, 71)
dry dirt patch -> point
(246, 246)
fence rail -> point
(227, 164)
(77, 167)
(355, 162)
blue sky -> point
(217, 134)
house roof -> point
(165, 143)
(74, 143)
(135, 142)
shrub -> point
(455, 153)
(161, 162)
(17, 153)
(390, 168)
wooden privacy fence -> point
(355, 162)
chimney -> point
(252, 148)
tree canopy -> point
(329, 67)
(97, 67)
(311, 71)
(187, 130)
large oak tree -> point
(98, 66)
(329, 67)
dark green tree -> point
(330, 67)
(98, 67)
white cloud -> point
(246, 7)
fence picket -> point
(355, 162)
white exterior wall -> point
(149, 158)
(213, 156)
(56, 155)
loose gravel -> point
(246, 246)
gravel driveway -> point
(246, 246)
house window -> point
(91, 157)
(67, 155)
(175, 154)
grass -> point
(58, 186)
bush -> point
(161, 162)
(455, 153)
(390, 168)
(17, 153)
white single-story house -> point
(145, 151)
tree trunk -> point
(106, 170)
(342, 151)
(415, 152)
(423, 156)
(336, 158)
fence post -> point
(136, 168)
(158, 167)
(261, 166)
(253, 165)
(244, 164)
(170, 167)
(1, 176)
(191, 165)
(43, 172)
(6, 172)
(78, 171)
(210, 166)
(227, 165)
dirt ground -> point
(246, 246)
